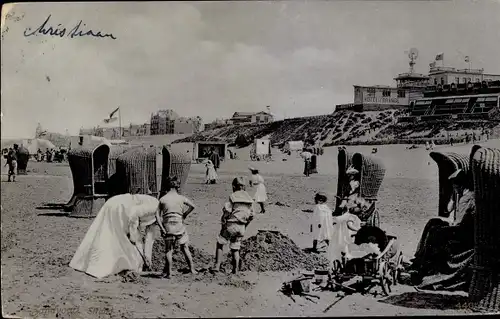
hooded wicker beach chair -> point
(372, 173)
(23, 156)
(448, 163)
(114, 153)
(174, 164)
(344, 159)
(484, 291)
(137, 170)
(89, 168)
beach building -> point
(412, 87)
(252, 118)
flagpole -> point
(120, 120)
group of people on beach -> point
(445, 248)
(335, 230)
(169, 213)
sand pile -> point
(273, 251)
(200, 258)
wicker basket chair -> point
(484, 291)
(174, 164)
(136, 169)
(372, 172)
(115, 152)
(344, 160)
(448, 163)
(89, 168)
(23, 156)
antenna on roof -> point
(413, 55)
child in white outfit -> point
(260, 189)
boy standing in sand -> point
(237, 215)
(170, 217)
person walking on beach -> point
(170, 218)
(214, 157)
(260, 189)
(306, 155)
(237, 215)
(12, 163)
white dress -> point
(260, 189)
(211, 174)
(342, 235)
(323, 216)
(106, 250)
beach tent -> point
(262, 147)
(118, 142)
(87, 141)
(33, 145)
(294, 146)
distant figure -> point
(214, 157)
(48, 155)
(306, 155)
(12, 162)
(314, 164)
(210, 174)
(260, 189)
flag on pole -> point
(467, 60)
(111, 118)
(440, 57)
(113, 113)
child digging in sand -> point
(237, 215)
(170, 217)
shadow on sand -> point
(61, 207)
(426, 300)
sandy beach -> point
(37, 245)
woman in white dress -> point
(211, 174)
(260, 189)
(120, 238)
(347, 224)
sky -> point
(215, 58)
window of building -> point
(401, 93)
(371, 91)
(386, 93)
(465, 80)
(457, 80)
(442, 81)
(435, 81)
